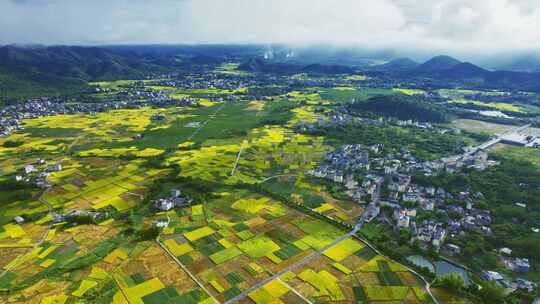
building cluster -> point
(37, 173)
(379, 179)
(505, 283)
(174, 200)
(213, 81)
(11, 116)
(95, 216)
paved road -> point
(293, 266)
(212, 116)
(426, 282)
(496, 140)
(233, 171)
(277, 176)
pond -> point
(440, 268)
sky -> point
(459, 25)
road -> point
(277, 176)
(45, 234)
(233, 171)
(495, 140)
(294, 266)
(212, 116)
(186, 270)
(427, 284)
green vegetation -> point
(346, 94)
(516, 179)
(424, 144)
(243, 225)
(402, 107)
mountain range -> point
(32, 71)
(450, 70)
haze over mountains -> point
(64, 66)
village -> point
(384, 185)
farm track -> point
(296, 292)
(45, 234)
(212, 116)
(164, 248)
(185, 269)
(233, 171)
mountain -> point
(262, 66)
(257, 65)
(399, 64)
(445, 70)
(437, 63)
(76, 64)
(35, 71)
(327, 69)
(530, 64)
(462, 70)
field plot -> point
(152, 277)
(410, 91)
(315, 196)
(341, 95)
(249, 237)
(38, 273)
(494, 105)
(477, 126)
(359, 276)
(240, 231)
(266, 150)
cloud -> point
(436, 24)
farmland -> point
(263, 221)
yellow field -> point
(343, 250)
(199, 233)
(495, 105)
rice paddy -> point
(232, 238)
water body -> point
(420, 261)
(440, 268)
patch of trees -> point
(424, 144)
(15, 191)
(513, 181)
(402, 107)
(267, 91)
(12, 144)
(260, 66)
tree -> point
(453, 282)
(491, 293)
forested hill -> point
(27, 71)
(402, 107)
(261, 66)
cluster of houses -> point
(505, 283)
(175, 200)
(11, 116)
(381, 180)
(370, 176)
(37, 173)
(95, 216)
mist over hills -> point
(54, 68)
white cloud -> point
(436, 24)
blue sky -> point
(459, 25)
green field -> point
(240, 231)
